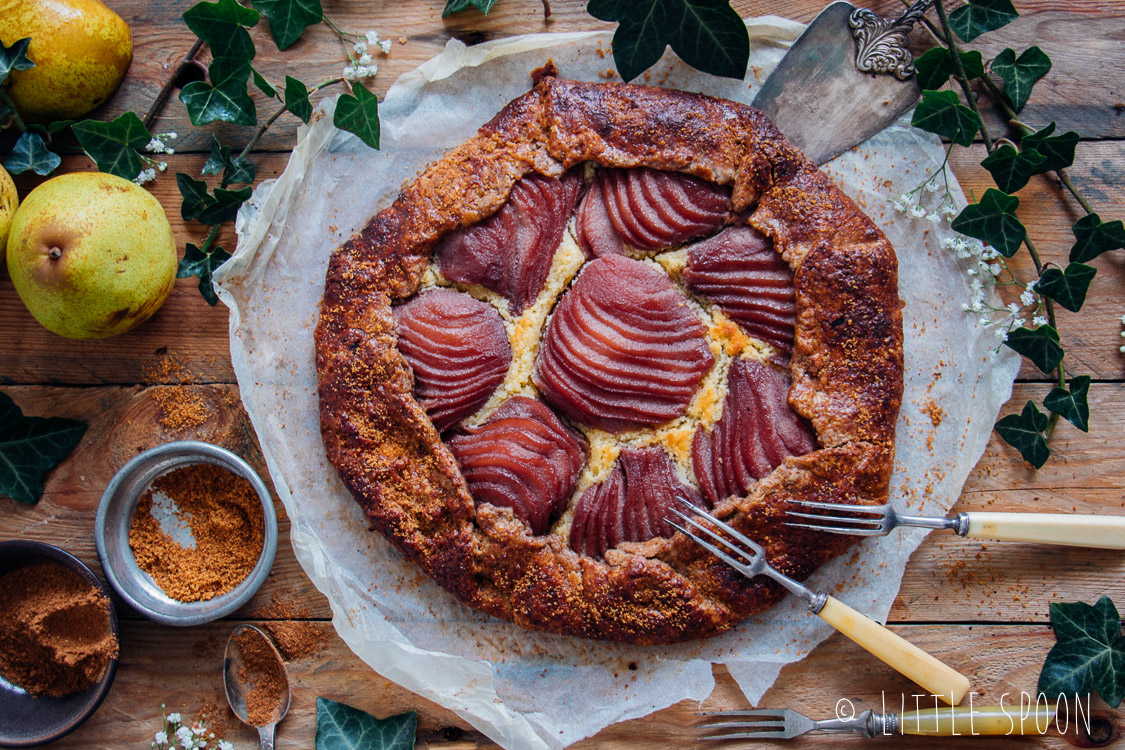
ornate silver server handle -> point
(882, 42)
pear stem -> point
(54, 253)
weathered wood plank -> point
(189, 329)
(1083, 40)
(997, 659)
(975, 581)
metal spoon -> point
(241, 679)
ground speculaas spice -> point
(263, 671)
(225, 517)
(55, 634)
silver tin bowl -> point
(115, 514)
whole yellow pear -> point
(81, 50)
(9, 202)
(91, 255)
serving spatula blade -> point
(818, 97)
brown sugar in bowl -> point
(119, 503)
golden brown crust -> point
(846, 366)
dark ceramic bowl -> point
(27, 721)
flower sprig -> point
(954, 113)
(176, 734)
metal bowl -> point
(26, 720)
(115, 514)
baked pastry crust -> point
(846, 366)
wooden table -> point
(980, 607)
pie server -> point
(848, 76)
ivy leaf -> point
(456, 6)
(1020, 74)
(14, 57)
(942, 113)
(341, 727)
(289, 18)
(359, 114)
(225, 98)
(31, 154)
(1011, 169)
(978, 16)
(1089, 654)
(1072, 405)
(297, 99)
(1024, 432)
(708, 35)
(1095, 237)
(197, 263)
(1068, 287)
(1059, 149)
(994, 221)
(223, 26)
(263, 85)
(114, 145)
(235, 169)
(30, 447)
(208, 208)
(934, 67)
(1040, 345)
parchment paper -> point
(531, 690)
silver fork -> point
(1105, 532)
(785, 724)
(749, 559)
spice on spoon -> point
(225, 518)
(263, 671)
(55, 635)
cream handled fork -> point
(1105, 532)
(939, 679)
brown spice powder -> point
(296, 639)
(263, 671)
(226, 520)
(55, 636)
(180, 407)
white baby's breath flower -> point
(385, 45)
(1014, 308)
(984, 321)
(161, 737)
(171, 136)
(1027, 298)
(155, 146)
(146, 175)
(995, 269)
(365, 59)
(1123, 320)
(350, 73)
(973, 272)
(931, 186)
(917, 211)
(161, 166)
(1038, 321)
(360, 47)
(902, 203)
(934, 218)
(183, 734)
(372, 37)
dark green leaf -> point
(263, 85)
(30, 447)
(14, 57)
(942, 113)
(978, 16)
(934, 67)
(1095, 237)
(114, 145)
(207, 208)
(359, 114)
(1012, 169)
(994, 221)
(1072, 405)
(1024, 432)
(235, 169)
(708, 35)
(1089, 654)
(1020, 74)
(341, 727)
(31, 154)
(223, 26)
(225, 98)
(197, 263)
(297, 99)
(456, 6)
(1059, 149)
(1068, 287)
(289, 18)
(1040, 345)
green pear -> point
(91, 255)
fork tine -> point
(780, 724)
(848, 507)
(779, 712)
(837, 529)
(708, 546)
(774, 733)
(758, 549)
(840, 519)
(748, 555)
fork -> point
(785, 724)
(1104, 532)
(939, 679)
